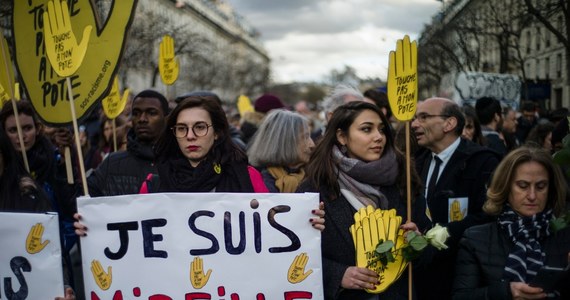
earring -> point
(343, 149)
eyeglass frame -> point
(173, 128)
(422, 117)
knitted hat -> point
(267, 102)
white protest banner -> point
(201, 246)
(30, 256)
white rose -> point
(437, 236)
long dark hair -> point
(223, 150)
(15, 182)
(321, 170)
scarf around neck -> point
(364, 179)
(526, 233)
(286, 182)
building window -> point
(528, 41)
(547, 68)
(559, 65)
(547, 38)
(537, 38)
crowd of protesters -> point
(483, 172)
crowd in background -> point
(350, 150)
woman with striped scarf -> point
(500, 260)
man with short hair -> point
(527, 120)
(490, 115)
(455, 172)
(124, 172)
(509, 128)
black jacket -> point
(465, 175)
(481, 261)
(123, 172)
(337, 246)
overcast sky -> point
(306, 39)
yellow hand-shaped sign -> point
(102, 279)
(403, 79)
(456, 214)
(296, 271)
(63, 51)
(46, 90)
(244, 105)
(167, 62)
(34, 242)
(114, 103)
(372, 226)
(197, 276)
(6, 73)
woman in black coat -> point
(500, 260)
(355, 165)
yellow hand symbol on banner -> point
(168, 65)
(244, 105)
(403, 79)
(102, 279)
(63, 51)
(6, 73)
(456, 214)
(34, 242)
(197, 276)
(297, 272)
(114, 103)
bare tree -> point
(555, 16)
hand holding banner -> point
(168, 65)
(63, 52)
(403, 79)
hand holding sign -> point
(34, 242)
(297, 272)
(167, 62)
(102, 279)
(197, 276)
(114, 103)
(62, 49)
(403, 79)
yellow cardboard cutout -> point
(168, 65)
(6, 73)
(403, 79)
(114, 103)
(244, 105)
(63, 52)
(369, 228)
(46, 90)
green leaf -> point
(410, 236)
(558, 224)
(385, 247)
(390, 257)
(418, 243)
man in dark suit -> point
(455, 172)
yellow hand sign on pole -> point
(403, 79)
(114, 103)
(168, 65)
(66, 56)
(403, 98)
(244, 105)
(45, 89)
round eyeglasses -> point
(199, 129)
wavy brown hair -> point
(500, 188)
